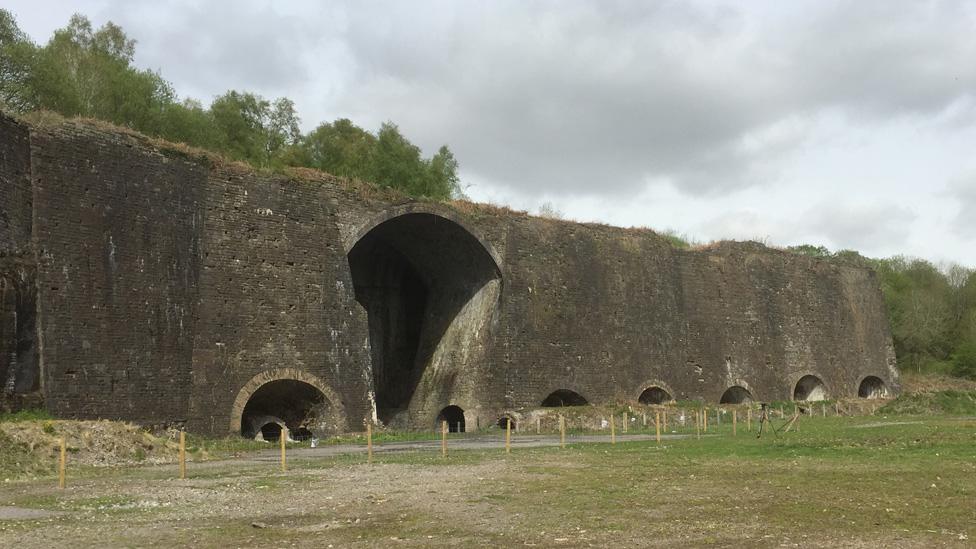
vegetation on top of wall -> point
(88, 73)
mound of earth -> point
(32, 447)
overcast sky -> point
(846, 124)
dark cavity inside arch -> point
(454, 416)
(295, 404)
(736, 395)
(413, 274)
(872, 387)
(654, 395)
(564, 397)
(810, 388)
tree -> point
(88, 72)
(17, 55)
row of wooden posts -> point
(701, 425)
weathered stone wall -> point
(275, 293)
(117, 230)
(19, 373)
(171, 288)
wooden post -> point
(644, 419)
(182, 455)
(508, 435)
(369, 443)
(444, 438)
(62, 465)
(664, 415)
(837, 408)
(749, 418)
(698, 424)
(281, 438)
(538, 425)
(705, 420)
(613, 431)
(657, 427)
(718, 417)
(623, 419)
(735, 420)
(562, 432)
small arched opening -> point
(736, 394)
(564, 397)
(872, 387)
(285, 403)
(654, 395)
(810, 388)
(504, 422)
(454, 416)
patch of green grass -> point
(942, 402)
(26, 415)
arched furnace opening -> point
(810, 388)
(654, 395)
(413, 274)
(872, 387)
(297, 405)
(736, 395)
(564, 397)
(454, 416)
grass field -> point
(900, 481)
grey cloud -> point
(860, 226)
(584, 98)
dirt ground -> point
(904, 484)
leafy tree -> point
(340, 148)
(254, 129)
(17, 54)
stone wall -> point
(170, 287)
(20, 381)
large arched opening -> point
(736, 395)
(454, 416)
(872, 387)
(413, 274)
(563, 397)
(810, 388)
(654, 395)
(286, 403)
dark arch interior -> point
(271, 431)
(413, 274)
(504, 421)
(296, 404)
(564, 397)
(809, 388)
(654, 395)
(736, 395)
(872, 387)
(454, 416)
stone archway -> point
(654, 394)
(454, 416)
(422, 278)
(289, 397)
(563, 397)
(736, 394)
(810, 388)
(872, 387)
